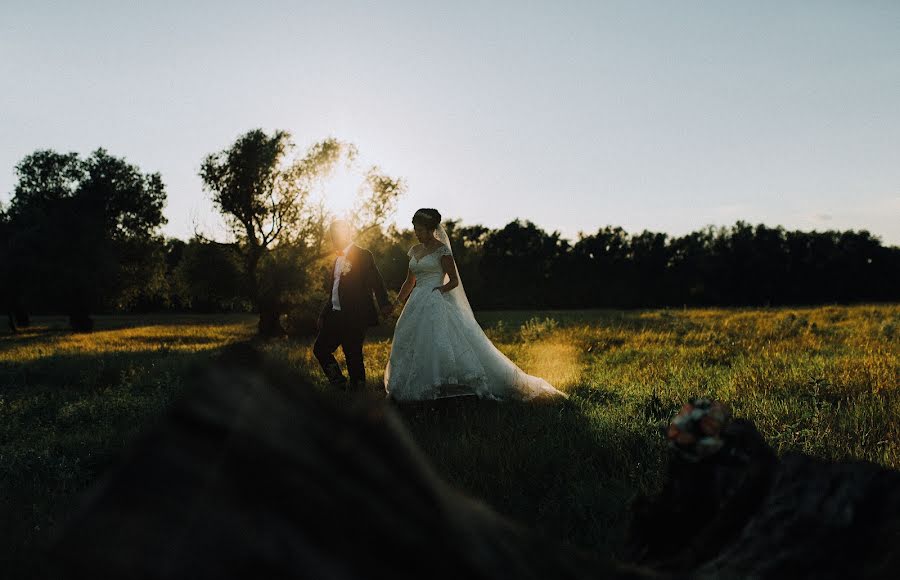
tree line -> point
(523, 266)
(82, 236)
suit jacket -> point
(358, 285)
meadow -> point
(824, 381)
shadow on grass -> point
(65, 419)
(30, 336)
(43, 325)
(156, 342)
(554, 467)
(567, 469)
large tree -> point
(266, 195)
(208, 276)
(9, 276)
(84, 232)
(524, 266)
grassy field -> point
(825, 381)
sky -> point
(664, 115)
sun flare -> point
(340, 191)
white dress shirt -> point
(338, 268)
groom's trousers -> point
(339, 330)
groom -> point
(349, 310)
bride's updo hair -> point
(427, 218)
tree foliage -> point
(266, 195)
(209, 277)
(81, 235)
(522, 266)
(83, 232)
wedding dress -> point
(439, 349)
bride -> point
(439, 350)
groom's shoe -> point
(335, 376)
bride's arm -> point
(449, 266)
(407, 287)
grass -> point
(824, 381)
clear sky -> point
(666, 115)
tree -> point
(390, 247)
(265, 195)
(46, 180)
(6, 289)
(264, 199)
(523, 266)
(89, 227)
(690, 268)
(603, 263)
(649, 253)
(209, 276)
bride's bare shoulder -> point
(415, 250)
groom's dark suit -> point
(346, 327)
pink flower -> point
(709, 425)
(673, 431)
(685, 439)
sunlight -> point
(340, 191)
(45, 340)
(555, 361)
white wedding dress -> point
(439, 350)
